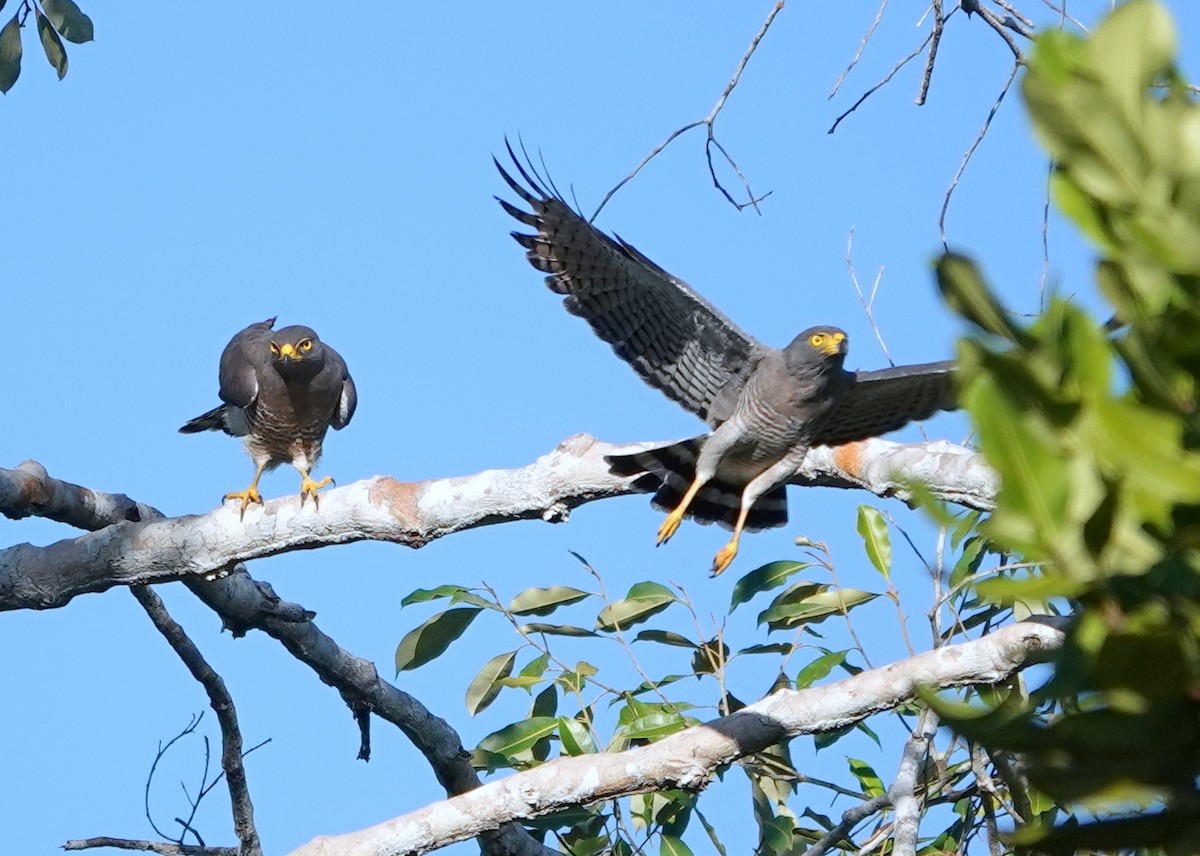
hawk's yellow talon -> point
(308, 488)
(249, 496)
(669, 526)
(725, 557)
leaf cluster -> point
(1093, 430)
(56, 20)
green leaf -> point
(432, 638)
(872, 785)
(424, 595)
(876, 538)
(543, 601)
(575, 737)
(69, 20)
(52, 45)
(712, 833)
(967, 294)
(665, 637)
(814, 608)
(10, 54)
(825, 739)
(653, 726)
(672, 846)
(520, 736)
(536, 667)
(767, 577)
(820, 668)
(557, 630)
(484, 689)
(644, 600)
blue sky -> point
(203, 168)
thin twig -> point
(222, 705)
(166, 848)
(707, 120)
(971, 151)
(851, 817)
(868, 304)
(935, 39)
(862, 46)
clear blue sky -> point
(202, 168)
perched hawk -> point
(282, 391)
(766, 406)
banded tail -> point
(214, 420)
(668, 471)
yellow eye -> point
(274, 350)
(816, 340)
(306, 345)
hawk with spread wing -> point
(766, 406)
(282, 391)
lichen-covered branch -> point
(689, 758)
(146, 549)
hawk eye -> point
(816, 340)
(306, 345)
(274, 350)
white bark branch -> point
(689, 758)
(146, 549)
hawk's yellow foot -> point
(308, 488)
(670, 525)
(725, 557)
(249, 496)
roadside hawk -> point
(766, 406)
(282, 391)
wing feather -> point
(884, 400)
(677, 341)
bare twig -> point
(708, 121)
(222, 705)
(935, 39)
(851, 817)
(971, 151)
(166, 848)
(862, 46)
(868, 304)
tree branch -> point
(689, 758)
(154, 550)
(222, 705)
(166, 848)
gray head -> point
(296, 351)
(821, 348)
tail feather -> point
(213, 420)
(668, 472)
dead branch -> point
(688, 759)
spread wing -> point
(677, 341)
(884, 400)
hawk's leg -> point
(308, 487)
(675, 517)
(761, 484)
(250, 495)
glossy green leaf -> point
(871, 784)
(653, 726)
(876, 539)
(69, 20)
(10, 54)
(536, 667)
(815, 608)
(768, 577)
(424, 595)
(520, 736)
(575, 737)
(712, 833)
(484, 687)
(557, 630)
(665, 637)
(645, 600)
(52, 45)
(820, 668)
(672, 846)
(543, 601)
(432, 638)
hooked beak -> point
(835, 345)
